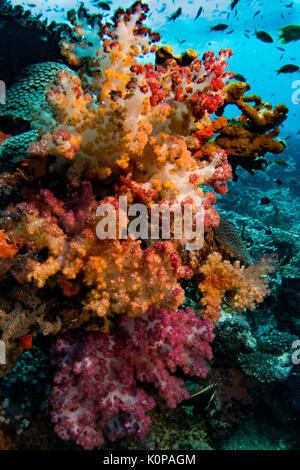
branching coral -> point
(96, 390)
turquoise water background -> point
(257, 61)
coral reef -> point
(78, 142)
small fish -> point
(257, 13)
(290, 33)
(292, 180)
(278, 181)
(289, 5)
(103, 5)
(263, 36)
(219, 27)
(247, 36)
(265, 201)
(201, 398)
(31, 5)
(281, 162)
(239, 77)
(198, 13)
(289, 68)
(181, 41)
(234, 3)
(175, 15)
(280, 48)
(230, 32)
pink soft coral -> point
(96, 390)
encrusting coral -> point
(120, 128)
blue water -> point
(254, 59)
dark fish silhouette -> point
(256, 13)
(265, 200)
(234, 3)
(175, 15)
(280, 48)
(290, 33)
(102, 5)
(219, 27)
(198, 13)
(263, 36)
(281, 162)
(230, 32)
(239, 77)
(278, 181)
(289, 68)
(289, 5)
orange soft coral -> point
(7, 250)
(122, 277)
(242, 287)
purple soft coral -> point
(96, 389)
